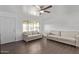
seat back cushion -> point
(27, 33)
(57, 33)
(70, 34)
(35, 32)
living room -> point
(55, 27)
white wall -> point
(8, 31)
(6, 28)
(15, 14)
(61, 18)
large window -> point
(30, 26)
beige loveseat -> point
(29, 36)
(68, 37)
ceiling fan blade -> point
(47, 11)
(38, 7)
(47, 7)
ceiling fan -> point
(43, 8)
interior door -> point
(8, 30)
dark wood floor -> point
(41, 46)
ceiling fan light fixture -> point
(42, 11)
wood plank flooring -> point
(41, 46)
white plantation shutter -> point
(31, 26)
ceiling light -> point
(42, 11)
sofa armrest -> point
(77, 36)
(77, 40)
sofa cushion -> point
(54, 36)
(31, 33)
(35, 32)
(57, 33)
(27, 33)
(69, 34)
(34, 35)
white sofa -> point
(29, 36)
(68, 37)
